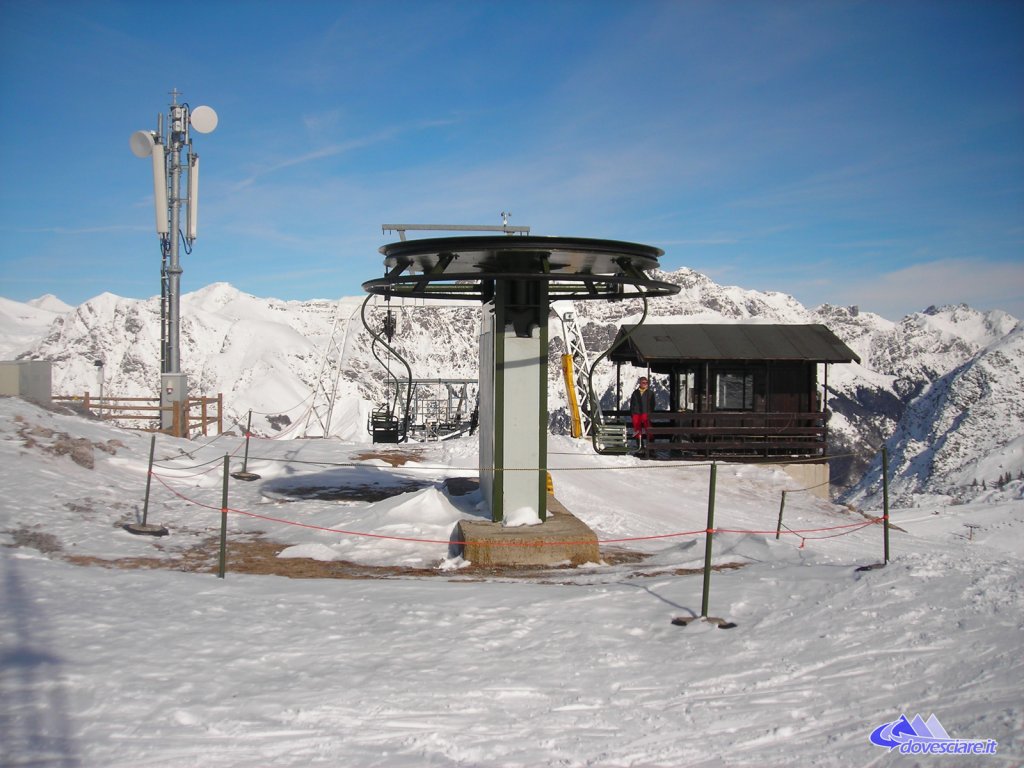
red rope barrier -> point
(216, 464)
(183, 496)
(414, 540)
(866, 523)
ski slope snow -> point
(167, 666)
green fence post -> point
(248, 430)
(149, 478)
(224, 523)
(245, 474)
(707, 540)
(144, 528)
(885, 499)
(782, 506)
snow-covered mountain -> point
(941, 387)
(22, 325)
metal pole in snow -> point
(707, 540)
(149, 478)
(248, 431)
(885, 499)
(224, 523)
(782, 506)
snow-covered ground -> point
(115, 666)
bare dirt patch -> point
(394, 458)
(687, 571)
(254, 557)
(78, 449)
(259, 556)
(44, 542)
(252, 553)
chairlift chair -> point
(609, 439)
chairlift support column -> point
(516, 278)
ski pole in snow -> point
(224, 522)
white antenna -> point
(168, 166)
(160, 188)
(141, 143)
(192, 215)
(204, 119)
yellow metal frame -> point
(570, 391)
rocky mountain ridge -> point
(940, 387)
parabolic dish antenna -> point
(142, 143)
(204, 119)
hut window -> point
(685, 390)
(734, 391)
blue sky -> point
(867, 153)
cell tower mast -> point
(173, 159)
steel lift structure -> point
(516, 279)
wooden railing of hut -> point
(722, 434)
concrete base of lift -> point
(562, 538)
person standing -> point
(641, 404)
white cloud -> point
(981, 284)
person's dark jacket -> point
(642, 402)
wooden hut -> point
(733, 391)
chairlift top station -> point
(516, 279)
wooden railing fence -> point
(735, 434)
(195, 414)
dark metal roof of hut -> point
(666, 343)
